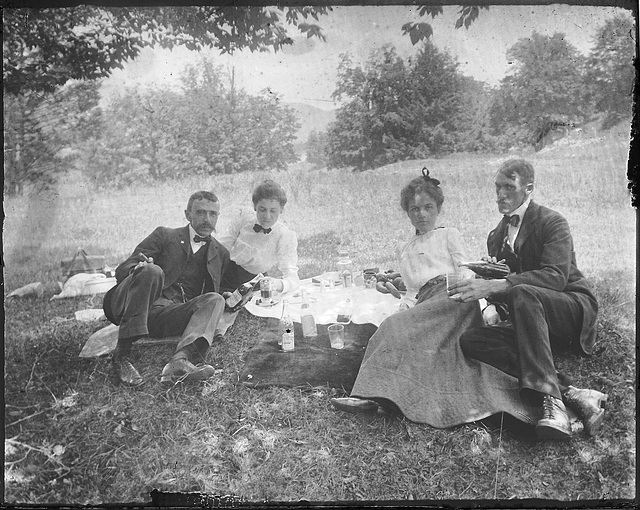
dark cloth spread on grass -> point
(312, 363)
(413, 359)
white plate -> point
(266, 303)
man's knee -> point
(150, 272)
(522, 295)
(210, 300)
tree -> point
(45, 48)
(316, 148)
(41, 133)
(545, 90)
(396, 110)
(610, 72)
(206, 128)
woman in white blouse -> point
(259, 243)
(413, 362)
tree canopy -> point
(395, 109)
(45, 48)
(610, 72)
(545, 89)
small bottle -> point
(243, 294)
(345, 268)
(286, 328)
(309, 329)
(345, 310)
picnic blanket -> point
(415, 359)
(314, 362)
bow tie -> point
(513, 220)
(199, 239)
(258, 228)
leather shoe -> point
(555, 422)
(182, 370)
(125, 372)
(354, 405)
(589, 405)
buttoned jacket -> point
(544, 247)
(169, 248)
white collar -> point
(192, 234)
(522, 209)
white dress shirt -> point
(428, 255)
(258, 252)
(194, 246)
(513, 231)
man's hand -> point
(472, 289)
(143, 262)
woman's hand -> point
(472, 289)
(276, 285)
(403, 306)
(490, 315)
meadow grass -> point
(72, 436)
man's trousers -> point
(543, 321)
(139, 308)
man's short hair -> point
(201, 195)
(521, 167)
(269, 190)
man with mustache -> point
(549, 302)
(170, 286)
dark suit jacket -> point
(544, 247)
(169, 248)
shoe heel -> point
(592, 426)
(602, 400)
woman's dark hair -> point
(269, 190)
(423, 184)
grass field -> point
(72, 436)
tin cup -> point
(370, 279)
(336, 336)
(453, 278)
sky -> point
(306, 72)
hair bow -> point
(426, 177)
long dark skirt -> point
(414, 360)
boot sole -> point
(354, 405)
(549, 432)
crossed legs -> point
(543, 321)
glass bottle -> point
(345, 268)
(345, 310)
(309, 329)
(243, 294)
(286, 328)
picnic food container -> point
(309, 328)
(345, 268)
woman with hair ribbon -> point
(413, 363)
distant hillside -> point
(311, 118)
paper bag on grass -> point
(30, 290)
